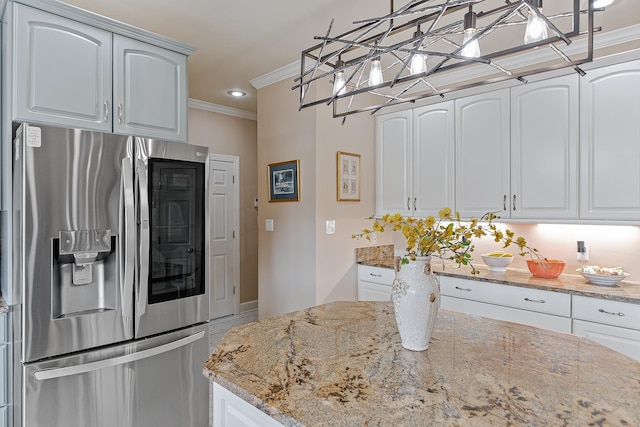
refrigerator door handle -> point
(143, 273)
(49, 374)
(128, 236)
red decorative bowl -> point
(546, 268)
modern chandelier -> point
(431, 47)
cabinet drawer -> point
(3, 373)
(3, 328)
(625, 341)
(536, 300)
(383, 276)
(608, 312)
(507, 314)
(4, 416)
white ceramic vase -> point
(416, 297)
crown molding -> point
(601, 40)
(221, 109)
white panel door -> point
(482, 154)
(544, 149)
(433, 159)
(150, 90)
(393, 161)
(610, 143)
(62, 71)
(221, 263)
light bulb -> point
(339, 84)
(536, 28)
(418, 64)
(471, 50)
(375, 74)
(602, 3)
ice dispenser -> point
(85, 270)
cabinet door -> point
(393, 161)
(482, 154)
(625, 341)
(150, 97)
(544, 149)
(231, 411)
(433, 159)
(610, 142)
(62, 71)
(368, 291)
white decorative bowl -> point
(603, 279)
(497, 264)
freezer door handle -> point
(143, 274)
(128, 237)
(49, 374)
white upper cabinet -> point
(610, 143)
(482, 154)
(415, 161)
(544, 149)
(393, 163)
(150, 96)
(67, 73)
(433, 159)
(61, 71)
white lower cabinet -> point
(533, 307)
(611, 323)
(374, 283)
(4, 372)
(231, 411)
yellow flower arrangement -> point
(447, 237)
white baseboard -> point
(248, 306)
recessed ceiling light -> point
(237, 93)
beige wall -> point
(234, 136)
(299, 265)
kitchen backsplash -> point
(609, 245)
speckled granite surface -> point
(626, 291)
(377, 256)
(4, 307)
(342, 364)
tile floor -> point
(219, 327)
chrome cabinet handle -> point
(539, 301)
(514, 202)
(120, 113)
(463, 289)
(613, 314)
(106, 111)
(504, 202)
(375, 275)
(408, 201)
(415, 199)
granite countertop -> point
(342, 364)
(4, 307)
(625, 291)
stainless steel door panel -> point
(70, 186)
(175, 313)
(153, 382)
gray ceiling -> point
(240, 40)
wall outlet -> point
(374, 238)
(268, 225)
(583, 251)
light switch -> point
(330, 227)
(268, 225)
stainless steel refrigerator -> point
(110, 273)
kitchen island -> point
(342, 364)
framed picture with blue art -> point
(284, 181)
